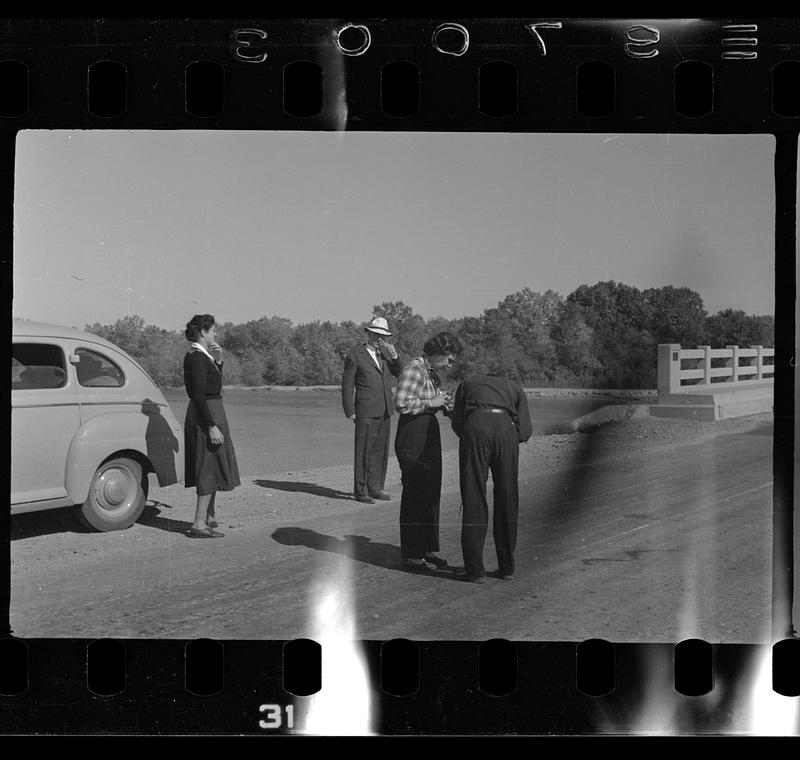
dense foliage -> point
(599, 336)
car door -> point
(44, 418)
(122, 407)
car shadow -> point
(359, 548)
(64, 520)
(46, 523)
(311, 488)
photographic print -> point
(253, 374)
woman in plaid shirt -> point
(418, 447)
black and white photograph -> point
(435, 386)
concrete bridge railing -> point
(689, 369)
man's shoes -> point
(462, 576)
(503, 576)
(382, 495)
(434, 560)
(364, 499)
(418, 564)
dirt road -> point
(649, 530)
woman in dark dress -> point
(418, 447)
(209, 454)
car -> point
(88, 427)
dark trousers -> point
(489, 442)
(418, 446)
(371, 454)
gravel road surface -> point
(646, 530)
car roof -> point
(31, 329)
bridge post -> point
(760, 362)
(669, 368)
(733, 362)
(705, 364)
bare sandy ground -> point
(50, 542)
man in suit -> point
(490, 417)
(367, 400)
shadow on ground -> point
(45, 523)
(153, 517)
(64, 520)
(359, 548)
(303, 487)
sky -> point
(323, 225)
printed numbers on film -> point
(273, 716)
(449, 38)
(728, 42)
(534, 30)
(240, 43)
(640, 38)
(357, 39)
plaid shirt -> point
(415, 388)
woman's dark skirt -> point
(418, 446)
(211, 467)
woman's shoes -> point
(211, 522)
(203, 533)
(418, 564)
(434, 560)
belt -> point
(490, 409)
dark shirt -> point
(203, 380)
(491, 391)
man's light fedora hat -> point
(378, 325)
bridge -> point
(714, 383)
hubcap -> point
(115, 489)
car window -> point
(37, 365)
(96, 370)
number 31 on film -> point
(274, 716)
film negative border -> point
(262, 688)
(508, 75)
(714, 76)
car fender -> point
(158, 447)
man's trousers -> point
(489, 442)
(371, 454)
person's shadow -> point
(299, 485)
(151, 517)
(161, 443)
(359, 548)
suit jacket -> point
(367, 390)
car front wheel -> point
(116, 496)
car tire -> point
(116, 497)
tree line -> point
(600, 336)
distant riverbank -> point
(275, 430)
